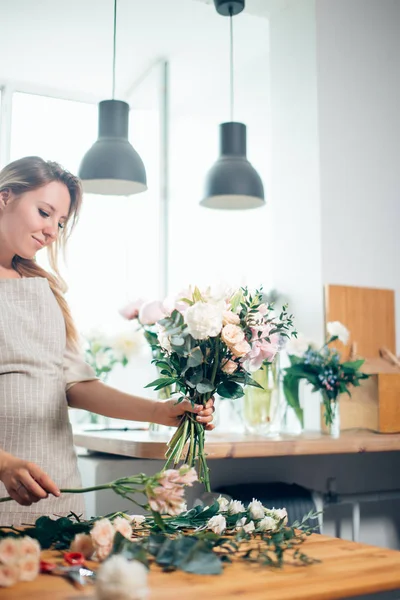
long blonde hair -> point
(31, 173)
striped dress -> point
(35, 372)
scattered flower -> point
(83, 543)
(256, 509)
(8, 575)
(217, 524)
(249, 527)
(223, 503)
(121, 579)
(266, 524)
(137, 520)
(123, 526)
(235, 507)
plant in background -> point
(208, 342)
(323, 369)
(103, 352)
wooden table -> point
(141, 444)
(347, 570)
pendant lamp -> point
(112, 166)
(232, 182)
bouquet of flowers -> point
(102, 353)
(206, 343)
(323, 369)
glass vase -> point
(155, 429)
(332, 429)
(262, 408)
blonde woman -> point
(41, 371)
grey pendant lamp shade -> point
(112, 166)
(232, 183)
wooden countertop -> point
(141, 444)
(347, 570)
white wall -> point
(358, 50)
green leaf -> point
(201, 560)
(204, 386)
(291, 391)
(353, 365)
(195, 357)
(230, 389)
(161, 382)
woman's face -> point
(33, 220)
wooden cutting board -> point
(369, 315)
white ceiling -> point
(64, 47)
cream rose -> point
(230, 318)
(241, 349)
(232, 335)
(229, 367)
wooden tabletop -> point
(142, 444)
(347, 570)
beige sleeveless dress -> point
(35, 372)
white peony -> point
(217, 524)
(297, 347)
(335, 328)
(256, 509)
(121, 579)
(127, 344)
(204, 319)
(235, 507)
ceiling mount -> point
(229, 8)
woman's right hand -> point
(25, 481)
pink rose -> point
(102, 533)
(8, 575)
(102, 552)
(29, 567)
(9, 551)
(229, 367)
(188, 475)
(84, 544)
(131, 310)
(241, 349)
(151, 312)
(29, 547)
(232, 335)
(260, 351)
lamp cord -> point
(231, 63)
(114, 48)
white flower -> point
(204, 319)
(137, 520)
(266, 524)
(278, 514)
(339, 330)
(240, 523)
(217, 524)
(297, 347)
(249, 527)
(223, 504)
(235, 507)
(121, 579)
(256, 509)
(126, 345)
(103, 359)
(163, 338)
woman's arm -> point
(102, 399)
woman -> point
(41, 371)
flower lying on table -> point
(200, 540)
(206, 343)
(19, 560)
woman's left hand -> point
(169, 413)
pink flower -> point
(29, 547)
(102, 552)
(261, 351)
(151, 312)
(84, 544)
(188, 475)
(240, 349)
(123, 527)
(229, 367)
(29, 567)
(102, 533)
(8, 575)
(169, 479)
(9, 551)
(131, 310)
